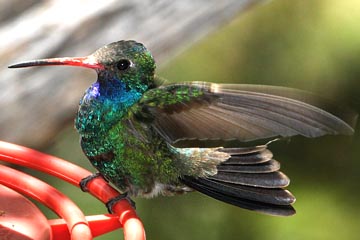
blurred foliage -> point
(312, 45)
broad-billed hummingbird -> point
(150, 137)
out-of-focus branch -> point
(35, 103)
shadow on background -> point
(313, 46)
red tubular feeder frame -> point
(78, 225)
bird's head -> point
(125, 62)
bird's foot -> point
(118, 198)
(85, 181)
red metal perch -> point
(73, 225)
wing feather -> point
(205, 111)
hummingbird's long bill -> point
(88, 62)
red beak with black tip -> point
(88, 62)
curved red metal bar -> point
(99, 224)
(49, 196)
(133, 227)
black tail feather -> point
(265, 180)
(248, 158)
(269, 166)
(221, 194)
(249, 179)
(277, 196)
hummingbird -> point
(150, 137)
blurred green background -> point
(312, 45)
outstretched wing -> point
(207, 111)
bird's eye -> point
(123, 64)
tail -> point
(250, 179)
